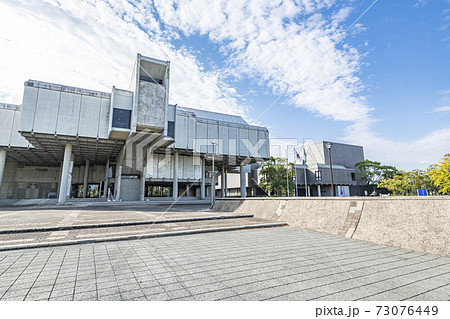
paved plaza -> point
(264, 264)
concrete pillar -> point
(202, 186)
(309, 191)
(222, 182)
(2, 164)
(117, 182)
(105, 185)
(65, 174)
(175, 175)
(242, 179)
(144, 171)
(318, 191)
(226, 184)
(86, 177)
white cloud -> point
(273, 42)
(441, 109)
(277, 41)
(406, 155)
(57, 41)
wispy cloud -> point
(441, 109)
(270, 42)
(57, 41)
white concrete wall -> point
(161, 166)
(9, 122)
(56, 109)
(232, 139)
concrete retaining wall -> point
(416, 223)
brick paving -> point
(266, 264)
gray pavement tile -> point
(108, 291)
(38, 296)
(85, 296)
(159, 297)
(62, 298)
(111, 297)
(129, 294)
(16, 294)
(61, 292)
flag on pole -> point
(297, 155)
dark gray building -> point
(346, 179)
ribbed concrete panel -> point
(188, 165)
(264, 151)
(201, 138)
(171, 113)
(6, 121)
(181, 132)
(69, 111)
(243, 134)
(46, 111)
(150, 171)
(197, 168)
(123, 99)
(89, 116)
(165, 166)
(191, 133)
(28, 109)
(213, 136)
(223, 138)
(233, 135)
(16, 139)
(103, 124)
(253, 141)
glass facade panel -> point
(171, 129)
(121, 118)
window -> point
(121, 118)
(353, 177)
(318, 175)
(149, 79)
(171, 129)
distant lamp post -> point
(328, 145)
(213, 183)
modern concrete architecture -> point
(346, 180)
(128, 144)
(345, 176)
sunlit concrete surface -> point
(266, 264)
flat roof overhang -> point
(51, 148)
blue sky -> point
(385, 84)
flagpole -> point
(295, 174)
(287, 171)
(304, 169)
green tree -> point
(273, 176)
(372, 172)
(407, 183)
(440, 174)
(401, 184)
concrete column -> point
(226, 184)
(318, 191)
(144, 171)
(2, 164)
(86, 177)
(117, 182)
(65, 174)
(222, 182)
(105, 185)
(202, 186)
(175, 175)
(309, 191)
(242, 179)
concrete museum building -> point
(66, 142)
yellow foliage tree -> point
(440, 174)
